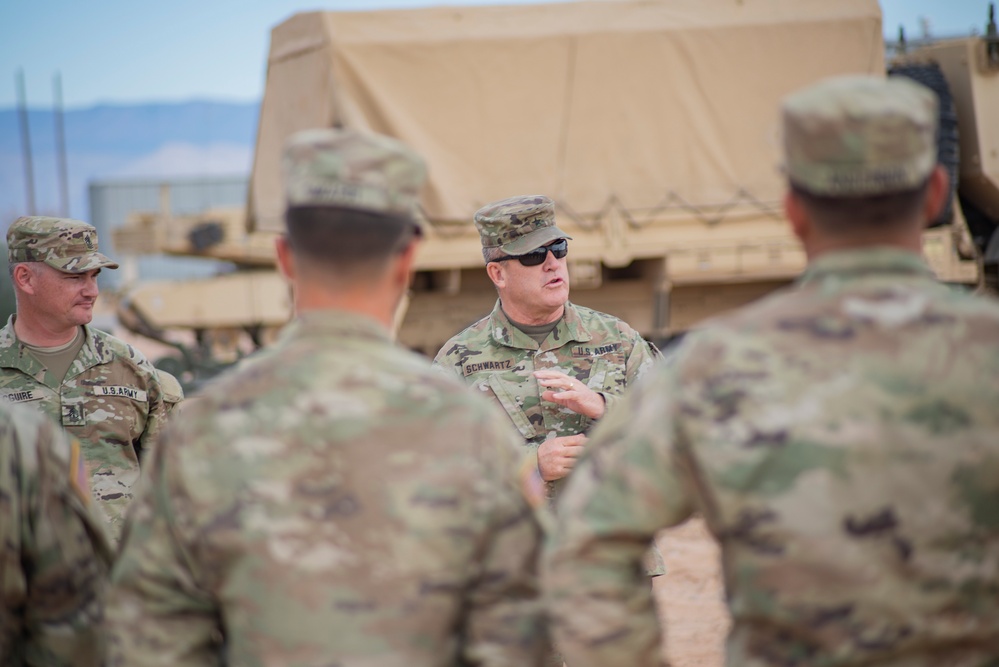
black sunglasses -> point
(559, 248)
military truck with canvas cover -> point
(653, 125)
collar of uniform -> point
(93, 353)
(864, 262)
(13, 354)
(336, 323)
(570, 329)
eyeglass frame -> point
(542, 253)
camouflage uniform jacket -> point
(54, 552)
(841, 440)
(331, 501)
(110, 400)
(498, 359)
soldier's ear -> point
(23, 277)
(797, 216)
(936, 194)
(285, 257)
(496, 273)
(404, 262)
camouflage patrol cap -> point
(345, 168)
(64, 244)
(860, 135)
(518, 225)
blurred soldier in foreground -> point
(54, 551)
(841, 438)
(101, 390)
(554, 367)
(334, 501)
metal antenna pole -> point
(60, 137)
(29, 178)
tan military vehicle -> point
(652, 124)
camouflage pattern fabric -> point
(498, 360)
(860, 135)
(64, 244)
(841, 440)
(110, 400)
(518, 224)
(332, 501)
(173, 392)
(350, 169)
(54, 553)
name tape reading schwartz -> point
(506, 364)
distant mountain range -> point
(197, 138)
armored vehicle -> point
(652, 124)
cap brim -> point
(534, 240)
(82, 263)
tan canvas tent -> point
(653, 124)
(616, 104)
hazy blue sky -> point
(124, 51)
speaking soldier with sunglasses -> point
(554, 367)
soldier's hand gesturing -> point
(570, 393)
(557, 456)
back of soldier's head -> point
(860, 149)
(352, 198)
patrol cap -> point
(860, 136)
(518, 225)
(345, 168)
(64, 244)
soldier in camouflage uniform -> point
(840, 438)
(54, 551)
(103, 391)
(334, 501)
(554, 367)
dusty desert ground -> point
(690, 597)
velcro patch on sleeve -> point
(78, 478)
